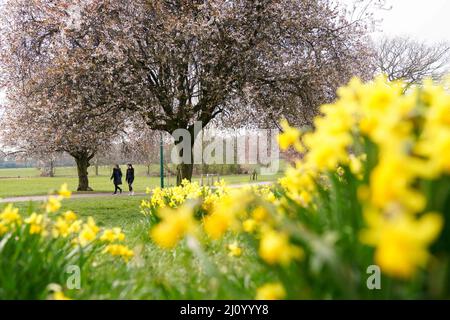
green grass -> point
(158, 273)
(10, 187)
(140, 170)
(18, 172)
(108, 212)
(39, 185)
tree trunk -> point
(82, 168)
(184, 171)
(47, 169)
(148, 170)
(51, 172)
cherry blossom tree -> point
(190, 61)
(141, 145)
(58, 87)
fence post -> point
(161, 160)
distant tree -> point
(103, 157)
(402, 58)
(141, 145)
(58, 89)
(46, 163)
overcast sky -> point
(426, 20)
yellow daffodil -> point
(275, 248)
(75, 226)
(69, 216)
(401, 240)
(234, 250)
(53, 204)
(271, 291)
(111, 235)
(119, 250)
(289, 137)
(217, 223)
(3, 229)
(249, 225)
(175, 224)
(10, 216)
(59, 295)
(391, 182)
(260, 213)
(36, 222)
(381, 95)
(88, 232)
(60, 228)
(225, 212)
(64, 192)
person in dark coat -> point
(117, 178)
(130, 178)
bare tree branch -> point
(403, 58)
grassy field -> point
(120, 211)
(34, 185)
(158, 273)
(140, 171)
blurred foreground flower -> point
(271, 291)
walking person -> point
(117, 178)
(130, 178)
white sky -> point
(425, 20)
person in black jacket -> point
(130, 178)
(117, 178)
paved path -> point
(105, 194)
(74, 196)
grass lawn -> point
(158, 273)
(42, 185)
(10, 187)
(140, 170)
(120, 211)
